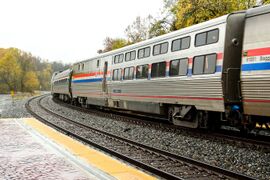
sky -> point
(68, 30)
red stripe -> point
(89, 93)
(190, 60)
(256, 100)
(167, 97)
(219, 56)
(87, 74)
(258, 52)
(167, 64)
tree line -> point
(177, 14)
(21, 71)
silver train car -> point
(214, 71)
(60, 85)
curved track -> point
(158, 162)
(232, 137)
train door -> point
(104, 81)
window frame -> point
(143, 49)
(130, 59)
(158, 70)
(118, 70)
(160, 45)
(118, 57)
(181, 39)
(181, 59)
(129, 68)
(204, 58)
(146, 73)
(206, 38)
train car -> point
(255, 74)
(179, 74)
(61, 85)
(188, 75)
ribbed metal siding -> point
(204, 92)
(256, 93)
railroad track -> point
(262, 141)
(156, 161)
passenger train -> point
(199, 76)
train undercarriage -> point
(188, 116)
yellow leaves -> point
(189, 12)
(9, 68)
(31, 81)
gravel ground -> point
(13, 107)
(250, 160)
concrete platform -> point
(32, 150)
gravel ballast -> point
(250, 160)
(13, 107)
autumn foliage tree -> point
(21, 71)
(31, 81)
(189, 12)
(10, 69)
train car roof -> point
(62, 74)
(258, 10)
(184, 31)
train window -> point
(179, 67)
(97, 63)
(118, 58)
(142, 71)
(176, 45)
(212, 36)
(127, 56)
(130, 56)
(200, 39)
(147, 52)
(160, 48)
(129, 73)
(79, 67)
(158, 69)
(164, 48)
(180, 44)
(83, 66)
(210, 64)
(185, 43)
(204, 64)
(116, 75)
(156, 50)
(143, 53)
(207, 37)
(140, 53)
(121, 57)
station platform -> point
(31, 150)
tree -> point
(159, 27)
(31, 81)
(139, 29)
(265, 2)
(44, 76)
(26, 61)
(111, 44)
(189, 12)
(10, 69)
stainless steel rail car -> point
(217, 68)
(61, 85)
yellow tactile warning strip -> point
(101, 161)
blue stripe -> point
(256, 66)
(218, 68)
(87, 80)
